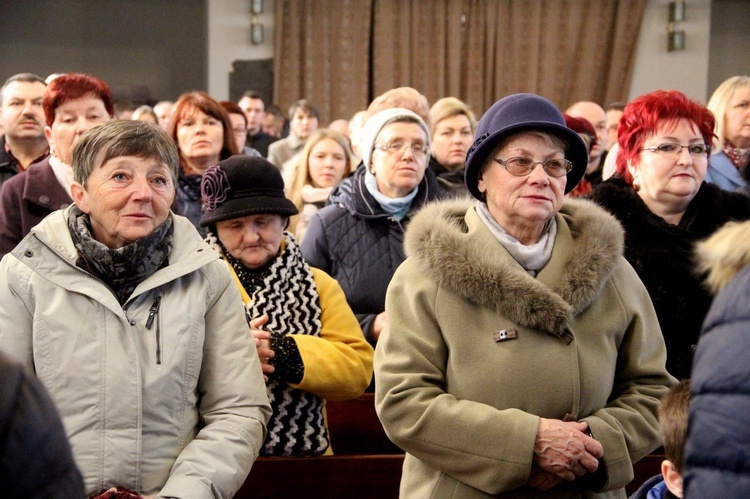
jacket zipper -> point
(153, 314)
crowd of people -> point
(182, 288)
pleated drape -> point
(341, 54)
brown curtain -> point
(418, 43)
(323, 54)
(566, 50)
(476, 50)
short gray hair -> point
(119, 138)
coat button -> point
(44, 199)
(28, 253)
(132, 323)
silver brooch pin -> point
(505, 334)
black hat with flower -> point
(243, 185)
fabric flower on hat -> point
(214, 187)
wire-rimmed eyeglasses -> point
(522, 165)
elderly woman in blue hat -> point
(308, 339)
(522, 356)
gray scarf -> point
(121, 269)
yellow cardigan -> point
(338, 363)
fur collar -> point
(449, 242)
(724, 254)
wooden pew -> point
(360, 476)
(366, 463)
(330, 477)
(354, 428)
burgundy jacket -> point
(25, 199)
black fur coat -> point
(662, 255)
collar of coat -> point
(725, 254)
(355, 198)
(451, 244)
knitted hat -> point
(375, 124)
(243, 185)
(519, 113)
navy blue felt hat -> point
(518, 113)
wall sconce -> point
(256, 27)
(676, 12)
(675, 37)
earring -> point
(636, 185)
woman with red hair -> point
(73, 103)
(203, 133)
(659, 196)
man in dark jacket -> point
(255, 110)
(35, 457)
(22, 117)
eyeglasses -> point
(522, 166)
(419, 150)
(671, 149)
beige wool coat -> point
(465, 404)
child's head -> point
(673, 419)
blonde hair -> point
(448, 107)
(719, 103)
(301, 175)
(724, 254)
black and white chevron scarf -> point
(286, 291)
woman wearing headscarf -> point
(135, 327)
(665, 207)
(730, 154)
(307, 336)
(522, 356)
(358, 238)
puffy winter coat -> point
(476, 351)
(357, 243)
(717, 456)
(163, 394)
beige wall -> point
(229, 40)
(684, 70)
(730, 41)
